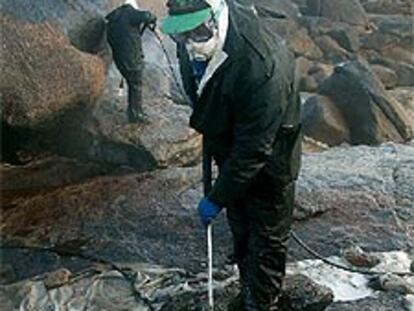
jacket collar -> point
(244, 28)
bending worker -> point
(124, 30)
(240, 79)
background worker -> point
(240, 79)
(124, 30)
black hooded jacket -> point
(124, 28)
(249, 111)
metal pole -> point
(207, 176)
(210, 266)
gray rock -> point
(371, 114)
(332, 51)
(303, 45)
(308, 84)
(387, 76)
(323, 121)
(301, 73)
(361, 195)
(360, 176)
(164, 140)
(392, 37)
(396, 25)
(405, 95)
(393, 283)
(57, 278)
(401, 54)
(296, 36)
(347, 11)
(388, 7)
(359, 258)
(301, 293)
(320, 71)
(383, 302)
(404, 71)
(311, 74)
(266, 8)
(346, 38)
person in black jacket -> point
(240, 78)
(124, 29)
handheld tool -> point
(207, 174)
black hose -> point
(339, 266)
(170, 65)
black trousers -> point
(260, 225)
(133, 77)
(134, 83)
(135, 96)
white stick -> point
(210, 266)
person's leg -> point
(134, 81)
(239, 226)
(270, 214)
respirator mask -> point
(203, 41)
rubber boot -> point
(136, 115)
(237, 304)
(135, 112)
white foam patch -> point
(348, 286)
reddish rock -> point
(46, 76)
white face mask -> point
(203, 51)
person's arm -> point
(138, 18)
(257, 120)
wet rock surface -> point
(359, 194)
(363, 198)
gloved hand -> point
(151, 21)
(207, 211)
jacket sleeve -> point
(137, 18)
(257, 118)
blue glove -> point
(207, 211)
